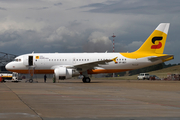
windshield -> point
(17, 60)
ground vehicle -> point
(143, 76)
(5, 76)
(9, 76)
(154, 77)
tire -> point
(83, 80)
(3, 80)
(86, 80)
(31, 80)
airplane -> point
(68, 65)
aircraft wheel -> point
(31, 80)
(86, 80)
(3, 80)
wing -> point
(86, 66)
(163, 58)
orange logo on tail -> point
(156, 39)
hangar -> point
(4, 59)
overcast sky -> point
(85, 25)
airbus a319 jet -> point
(68, 65)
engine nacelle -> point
(64, 73)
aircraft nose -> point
(8, 66)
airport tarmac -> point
(100, 99)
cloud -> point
(2, 8)
(135, 7)
(58, 35)
(98, 42)
(135, 45)
(9, 24)
(57, 4)
(96, 5)
(40, 8)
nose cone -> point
(8, 66)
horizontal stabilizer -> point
(163, 58)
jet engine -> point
(62, 73)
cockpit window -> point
(17, 60)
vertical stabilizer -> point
(156, 41)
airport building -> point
(4, 59)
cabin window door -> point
(30, 61)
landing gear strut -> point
(86, 80)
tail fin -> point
(156, 41)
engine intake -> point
(62, 73)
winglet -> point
(114, 59)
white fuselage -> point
(45, 63)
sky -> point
(71, 26)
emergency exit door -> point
(30, 61)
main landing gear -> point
(86, 80)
